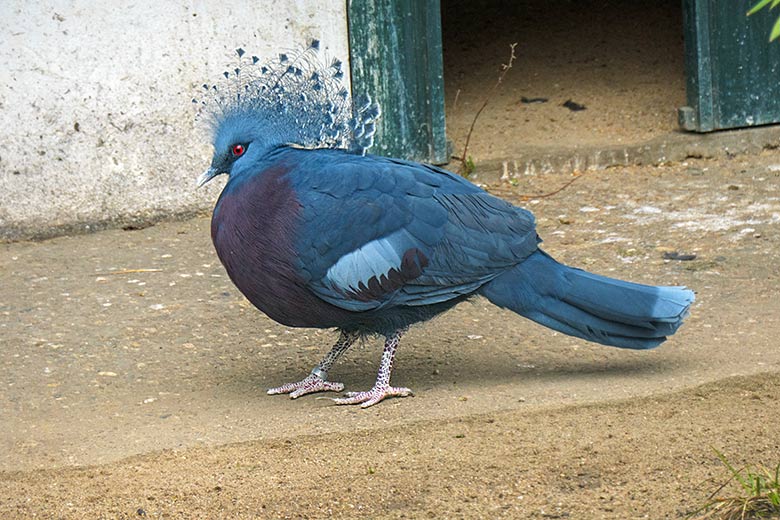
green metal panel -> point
(396, 58)
(732, 71)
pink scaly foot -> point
(373, 396)
(382, 386)
(317, 380)
(312, 383)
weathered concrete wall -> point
(96, 121)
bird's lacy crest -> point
(299, 101)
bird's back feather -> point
(365, 217)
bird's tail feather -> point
(590, 306)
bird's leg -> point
(382, 386)
(316, 381)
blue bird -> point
(316, 233)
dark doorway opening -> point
(623, 61)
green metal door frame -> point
(396, 59)
(732, 71)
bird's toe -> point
(309, 385)
(373, 396)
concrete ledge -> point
(674, 147)
(16, 232)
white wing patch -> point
(373, 259)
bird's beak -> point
(207, 176)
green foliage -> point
(760, 5)
(468, 166)
(760, 496)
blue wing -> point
(380, 232)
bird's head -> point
(294, 100)
(238, 144)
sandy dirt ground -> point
(637, 458)
(133, 374)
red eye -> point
(238, 150)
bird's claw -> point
(311, 384)
(373, 396)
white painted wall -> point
(96, 120)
